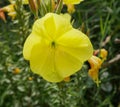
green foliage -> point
(100, 19)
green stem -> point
(61, 94)
(59, 7)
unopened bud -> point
(70, 8)
(16, 71)
(67, 79)
(53, 5)
(2, 16)
(34, 7)
(30, 78)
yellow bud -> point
(16, 71)
(67, 79)
(53, 5)
(70, 8)
(30, 78)
(34, 7)
(95, 62)
(103, 53)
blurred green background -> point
(19, 87)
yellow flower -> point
(95, 64)
(70, 5)
(11, 10)
(55, 49)
(72, 1)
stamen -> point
(53, 44)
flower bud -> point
(67, 79)
(103, 54)
(16, 71)
(70, 8)
(2, 16)
(34, 7)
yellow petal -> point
(76, 44)
(95, 62)
(66, 63)
(103, 54)
(94, 74)
(70, 8)
(38, 28)
(42, 62)
(51, 26)
(25, 2)
(12, 15)
(72, 1)
(66, 16)
(31, 41)
(9, 8)
(59, 24)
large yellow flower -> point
(55, 49)
(72, 1)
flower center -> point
(53, 44)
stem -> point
(112, 61)
(62, 94)
(59, 7)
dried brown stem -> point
(117, 41)
(114, 60)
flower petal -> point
(66, 63)
(60, 25)
(72, 1)
(42, 63)
(76, 44)
(38, 28)
(30, 42)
